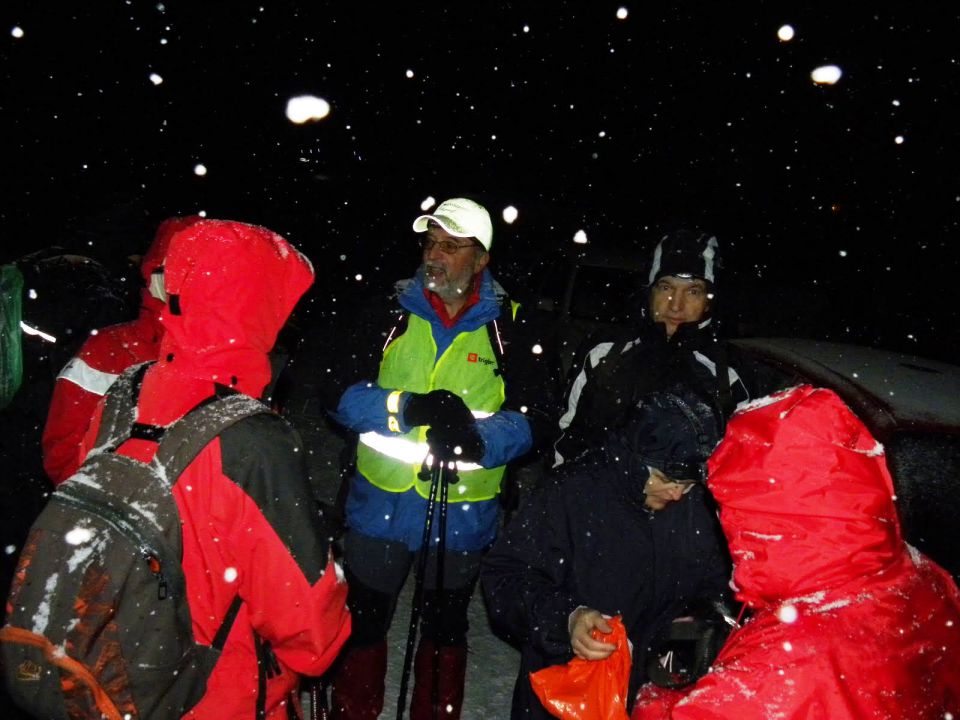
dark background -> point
(683, 111)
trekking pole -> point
(441, 556)
(319, 707)
(436, 473)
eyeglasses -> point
(446, 246)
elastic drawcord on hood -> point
(155, 257)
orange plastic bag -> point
(588, 689)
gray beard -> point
(446, 291)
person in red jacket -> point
(102, 358)
(849, 622)
(251, 526)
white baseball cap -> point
(461, 218)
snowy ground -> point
(491, 663)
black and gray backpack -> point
(98, 624)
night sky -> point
(835, 205)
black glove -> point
(437, 407)
(445, 439)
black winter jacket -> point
(584, 538)
(610, 376)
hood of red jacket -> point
(230, 288)
(155, 257)
(806, 499)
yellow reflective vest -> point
(468, 368)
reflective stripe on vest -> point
(406, 451)
(392, 462)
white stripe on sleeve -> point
(90, 379)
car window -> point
(762, 377)
(925, 468)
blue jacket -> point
(507, 434)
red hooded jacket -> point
(849, 621)
(103, 356)
(250, 523)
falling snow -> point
(307, 108)
(826, 74)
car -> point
(911, 405)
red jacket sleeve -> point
(71, 410)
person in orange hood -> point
(848, 622)
(102, 358)
(251, 527)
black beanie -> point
(686, 253)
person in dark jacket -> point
(627, 530)
(675, 344)
(251, 527)
(455, 371)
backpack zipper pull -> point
(154, 562)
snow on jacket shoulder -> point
(849, 622)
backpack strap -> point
(724, 391)
(184, 439)
(120, 409)
(267, 667)
(181, 442)
(508, 313)
(398, 329)
(220, 639)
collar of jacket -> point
(440, 308)
(688, 336)
(410, 296)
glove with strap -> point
(437, 407)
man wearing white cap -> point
(462, 376)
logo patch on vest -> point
(474, 357)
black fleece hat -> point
(686, 253)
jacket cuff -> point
(396, 401)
